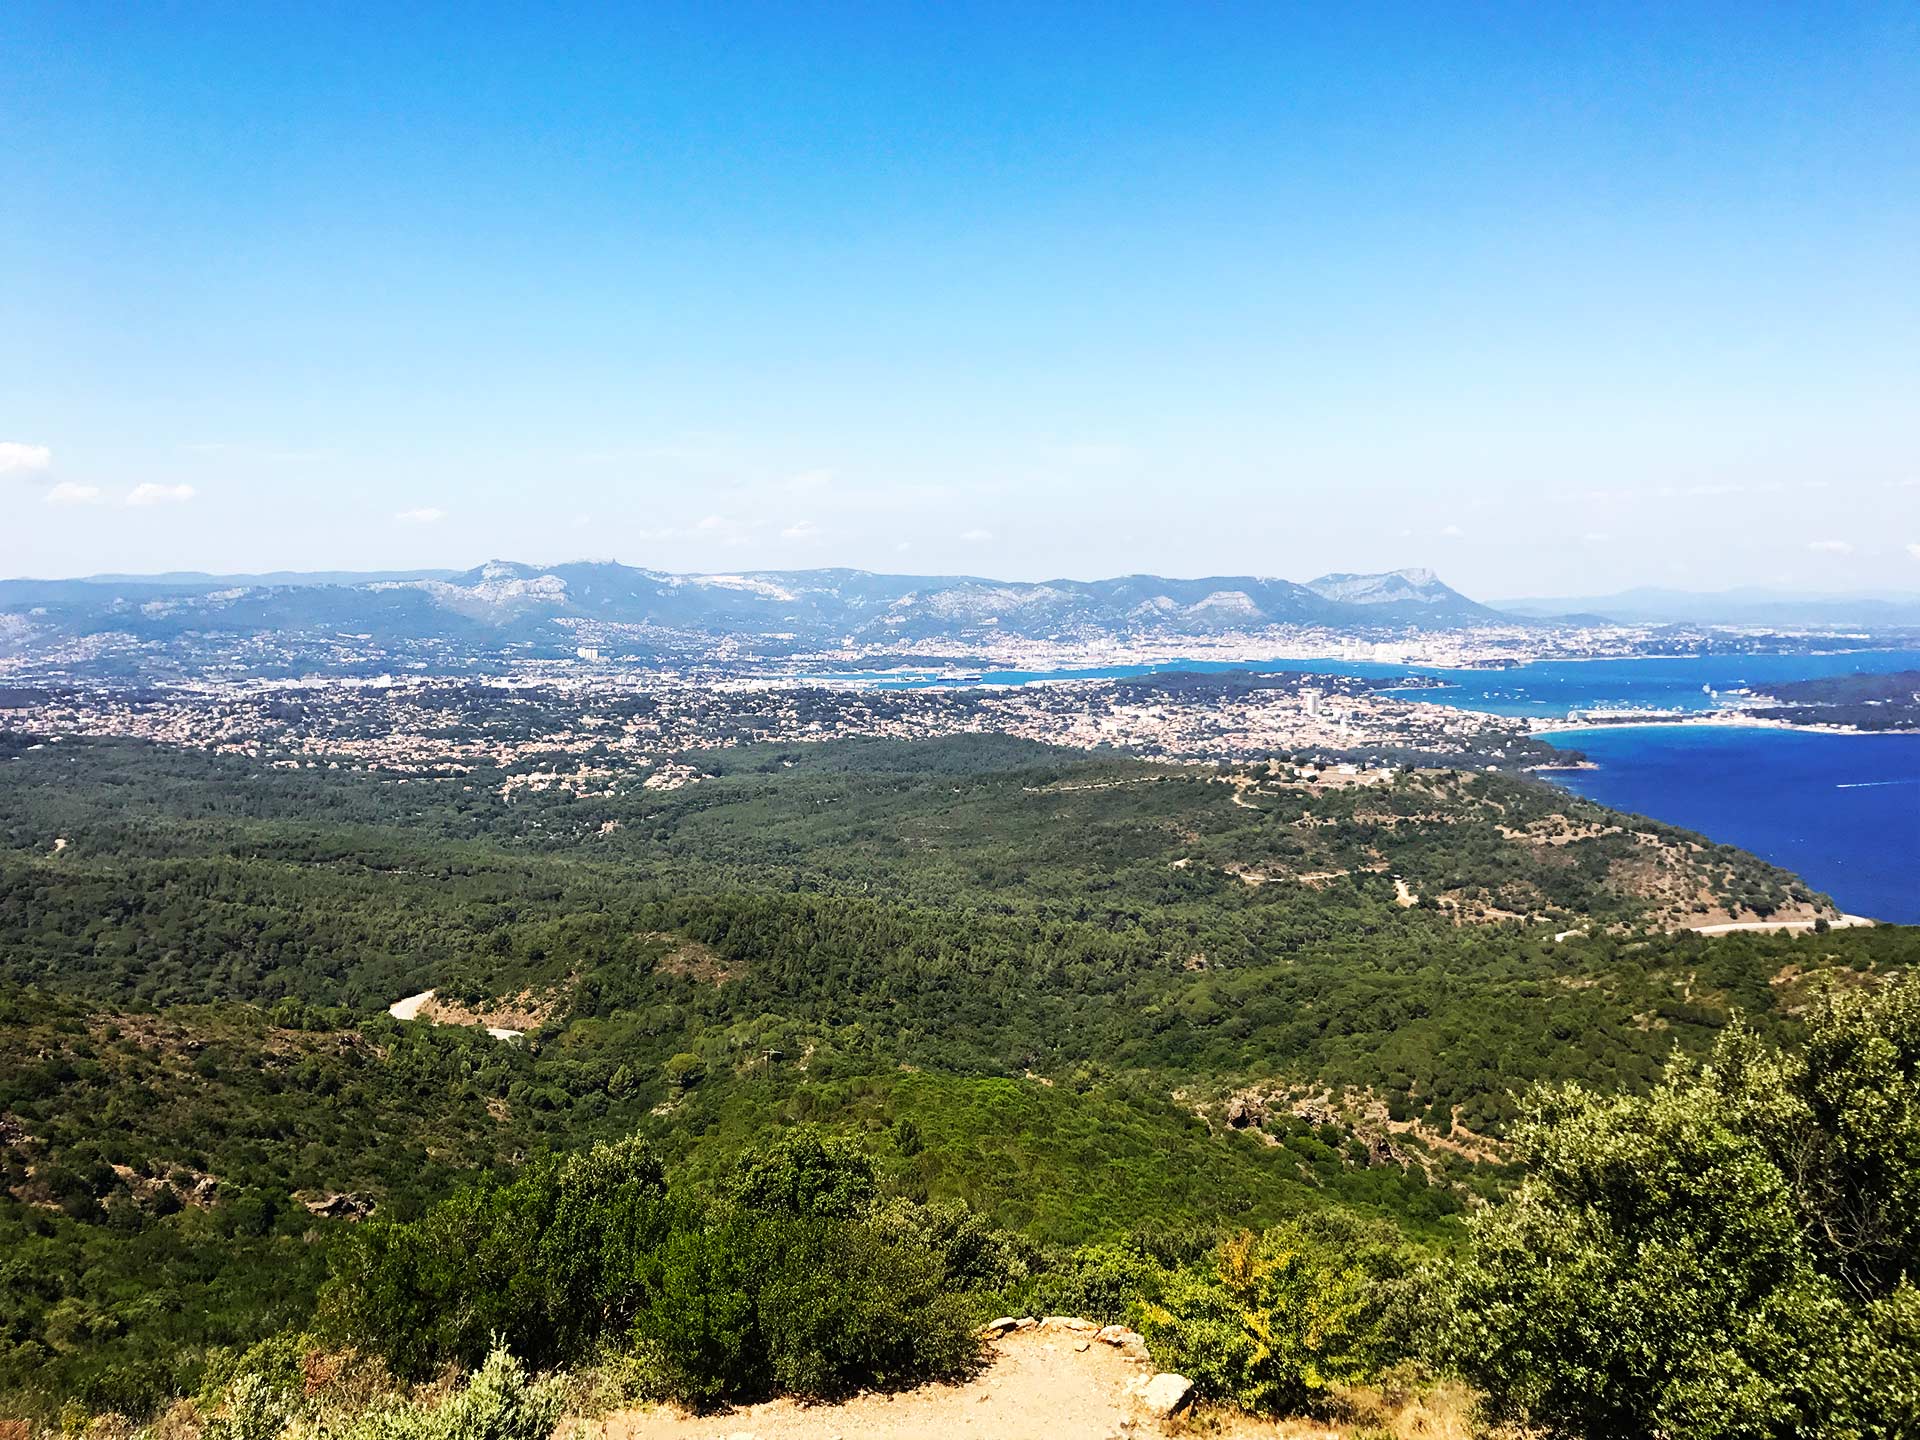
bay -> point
(1543, 688)
(1843, 811)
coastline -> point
(1840, 816)
(1708, 721)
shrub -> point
(843, 1309)
(972, 1254)
(804, 1172)
(1100, 1282)
(548, 1262)
(698, 1331)
(500, 1402)
(1283, 1317)
(1725, 1256)
(801, 1306)
(256, 1409)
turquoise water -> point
(1545, 688)
(1841, 810)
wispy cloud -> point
(149, 493)
(68, 493)
(1830, 547)
(801, 530)
(22, 459)
(421, 515)
(1914, 550)
(1451, 532)
(976, 536)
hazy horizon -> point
(1548, 302)
(1749, 593)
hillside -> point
(1860, 702)
(1085, 996)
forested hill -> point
(1083, 994)
(1863, 702)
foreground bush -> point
(796, 1282)
(1103, 1283)
(1281, 1318)
(547, 1262)
(499, 1402)
(1728, 1256)
(807, 1307)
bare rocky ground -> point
(1043, 1383)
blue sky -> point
(1551, 298)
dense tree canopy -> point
(1018, 989)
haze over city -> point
(1542, 299)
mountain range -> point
(508, 599)
(1745, 606)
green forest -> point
(971, 1025)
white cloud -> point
(810, 482)
(1451, 532)
(68, 493)
(711, 523)
(1830, 547)
(903, 546)
(801, 530)
(974, 537)
(149, 493)
(421, 515)
(1596, 537)
(15, 456)
(1914, 550)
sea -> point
(1843, 811)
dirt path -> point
(425, 1007)
(409, 1008)
(1733, 927)
(1039, 1386)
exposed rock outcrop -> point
(346, 1206)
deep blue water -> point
(1841, 810)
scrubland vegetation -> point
(842, 1051)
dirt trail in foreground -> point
(1038, 1387)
